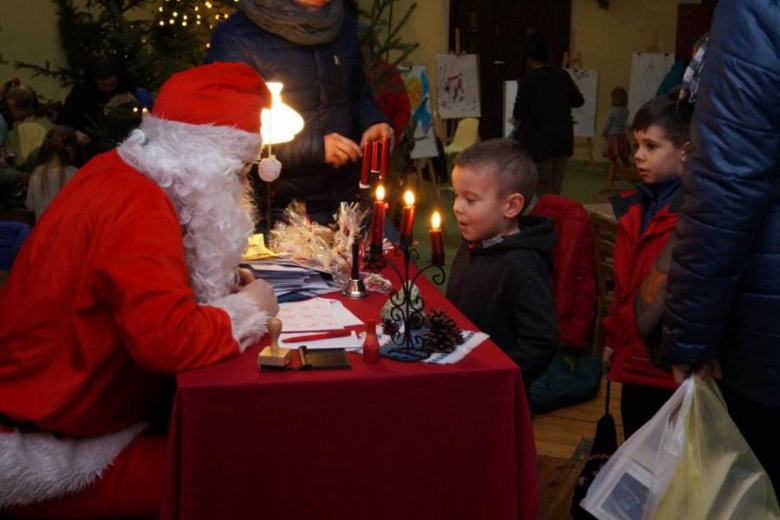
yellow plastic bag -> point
(688, 462)
(718, 475)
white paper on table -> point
(316, 314)
(350, 342)
(344, 316)
(311, 315)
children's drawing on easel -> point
(458, 85)
(453, 89)
(418, 88)
(647, 72)
(585, 116)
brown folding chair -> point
(604, 230)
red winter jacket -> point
(635, 253)
(574, 271)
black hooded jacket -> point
(505, 289)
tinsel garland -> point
(326, 248)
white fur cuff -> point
(249, 322)
(35, 467)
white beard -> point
(198, 166)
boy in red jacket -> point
(646, 217)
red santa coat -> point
(86, 334)
(634, 255)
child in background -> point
(646, 221)
(500, 278)
(53, 168)
(23, 107)
(616, 146)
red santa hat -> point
(222, 94)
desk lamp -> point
(279, 125)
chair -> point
(31, 136)
(466, 134)
(619, 172)
(604, 230)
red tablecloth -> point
(387, 441)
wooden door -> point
(693, 22)
(496, 31)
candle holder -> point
(407, 343)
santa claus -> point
(129, 277)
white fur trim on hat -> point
(249, 322)
(37, 466)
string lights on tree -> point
(199, 15)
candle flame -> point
(380, 193)
(436, 221)
(409, 198)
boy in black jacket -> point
(500, 278)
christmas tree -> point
(148, 41)
(151, 44)
(381, 36)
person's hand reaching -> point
(339, 150)
(376, 132)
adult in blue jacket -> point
(723, 299)
(311, 47)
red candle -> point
(378, 221)
(385, 156)
(407, 219)
(365, 180)
(437, 241)
(375, 158)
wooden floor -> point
(563, 441)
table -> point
(386, 441)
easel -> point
(574, 61)
(451, 125)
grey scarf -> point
(295, 22)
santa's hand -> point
(245, 276)
(339, 150)
(264, 296)
(377, 132)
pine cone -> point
(390, 327)
(443, 335)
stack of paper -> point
(287, 276)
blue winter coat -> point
(724, 283)
(326, 85)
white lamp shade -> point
(280, 123)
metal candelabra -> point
(408, 342)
